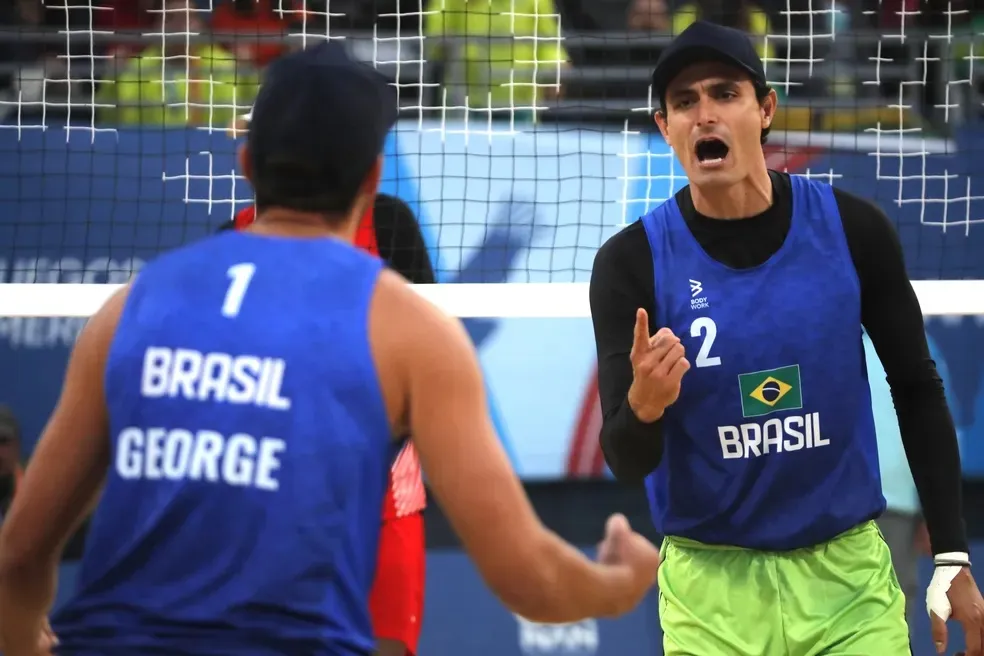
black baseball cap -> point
(317, 126)
(701, 42)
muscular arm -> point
(400, 240)
(59, 487)
(891, 315)
(534, 572)
(621, 283)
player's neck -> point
(747, 198)
(284, 223)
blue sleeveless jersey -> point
(771, 444)
(250, 457)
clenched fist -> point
(658, 365)
(632, 561)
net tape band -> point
(466, 300)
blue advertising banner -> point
(462, 616)
(93, 206)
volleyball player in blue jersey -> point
(237, 406)
(732, 378)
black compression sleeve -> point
(891, 314)
(622, 282)
(401, 243)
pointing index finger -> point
(640, 342)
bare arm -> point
(533, 571)
(60, 485)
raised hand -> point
(633, 559)
(658, 365)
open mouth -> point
(711, 151)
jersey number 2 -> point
(705, 326)
(240, 275)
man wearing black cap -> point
(389, 230)
(728, 325)
(239, 404)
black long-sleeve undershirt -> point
(622, 281)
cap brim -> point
(667, 70)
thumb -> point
(617, 528)
(608, 550)
(938, 627)
(640, 340)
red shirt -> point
(113, 15)
(406, 494)
(365, 237)
(262, 20)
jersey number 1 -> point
(240, 275)
(705, 326)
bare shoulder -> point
(87, 363)
(92, 347)
(108, 316)
(417, 319)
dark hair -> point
(8, 421)
(298, 186)
(245, 7)
(762, 91)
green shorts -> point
(840, 598)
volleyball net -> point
(525, 140)
(525, 137)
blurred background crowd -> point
(198, 62)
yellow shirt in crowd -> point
(205, 89)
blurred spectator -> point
(121, 15)
(958, 28)
(650, 15)
(740, 14)
(252, 18)
(968, 48)
(401, 17)
(893, 14)
(179, 81)
(39, 69)
(495, 42)
(23, 14)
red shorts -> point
(397, 599)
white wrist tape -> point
(936, 600)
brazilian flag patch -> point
(764, 392)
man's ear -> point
(660, 118)
(245, 165)
(769, 106)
